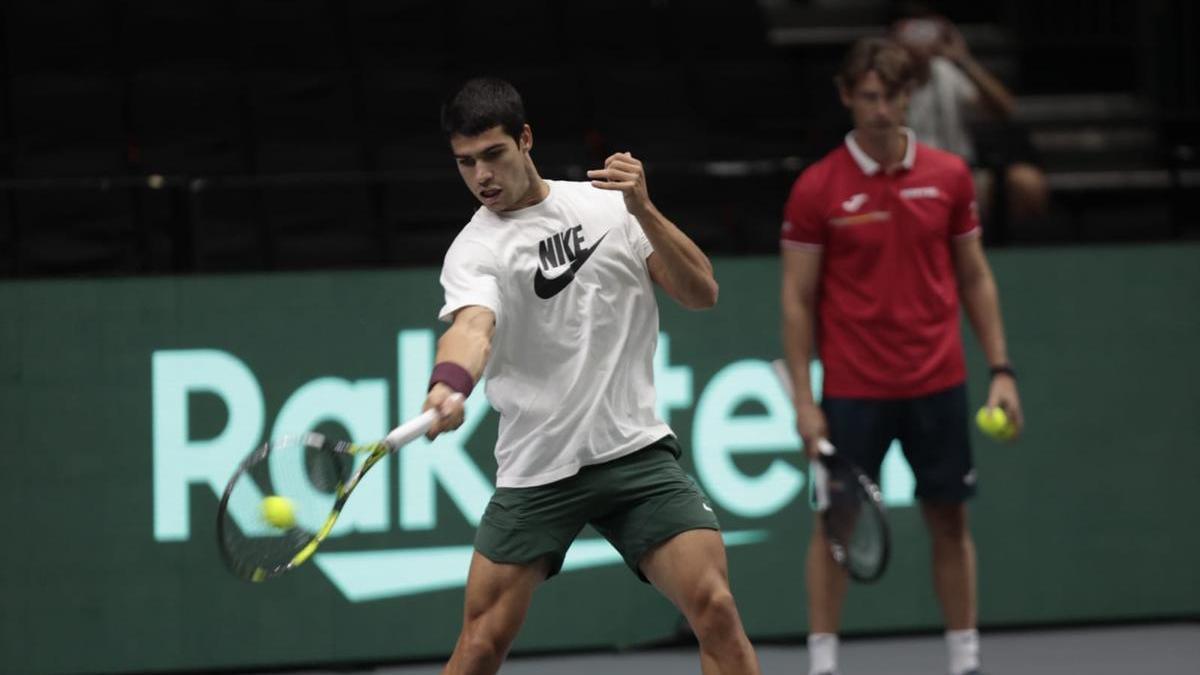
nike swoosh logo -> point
(548, 288)
(363, 576)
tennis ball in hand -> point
(279, 512)
(995, 423)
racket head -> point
(314, 473)
(853, 519)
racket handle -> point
(416, 426)
(820, 475)
(820, 478)
(824, 446)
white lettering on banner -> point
(672, 384)
(444, 461)
(360, 407)
(719, 435)
(722, 439)
(180, 461)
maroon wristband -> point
(454, 376)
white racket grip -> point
(824, 446)
(414, 427)
(820, 476)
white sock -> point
(822, 653)
(963, 648)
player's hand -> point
(810, 423)
(953, 45)
(625, 173)
(1003, 393)
(451, 410)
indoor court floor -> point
(1157, 649)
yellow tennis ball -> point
(995, 423)
(279, 512)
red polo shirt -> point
(887, 324)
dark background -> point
(154, 137)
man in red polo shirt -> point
(881, 239)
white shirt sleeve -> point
(965, 91)
(637, 237)
(469, 277)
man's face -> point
(494, 166)
(873, 109)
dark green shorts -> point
(636, 502)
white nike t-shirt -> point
(571, 369)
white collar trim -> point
(870, 166)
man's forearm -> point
(982, 303)
(467, 343)
(690, 269)
(798, 348)
(995, 95)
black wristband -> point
(1003, 369)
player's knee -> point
(480, 645)
(714, 613)
(485, 635)
(947, 522)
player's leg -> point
(521, 541)
(861, 430)
(690, 569)
(954, 581)
(826, 583)
(936, 442)
(665, 529)
(498, 596)
(953, 562)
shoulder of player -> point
(816, 176)
(584, 194)
(940, 161)
(476, 237)
(584, 190)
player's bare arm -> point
(995, 96)
(798, 297)
(677, 264)
(977, 288)
(467, 343)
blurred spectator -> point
(954, 94)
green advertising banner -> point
(127, 403)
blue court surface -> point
(1160, 649)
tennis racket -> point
(307, 479)
(851, 508)
(850, 505)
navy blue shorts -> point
(933, 432)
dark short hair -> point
(886, 57)
(483, 103)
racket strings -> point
(855, 526)
(866, 542)
(327, 471)
(310, 474)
